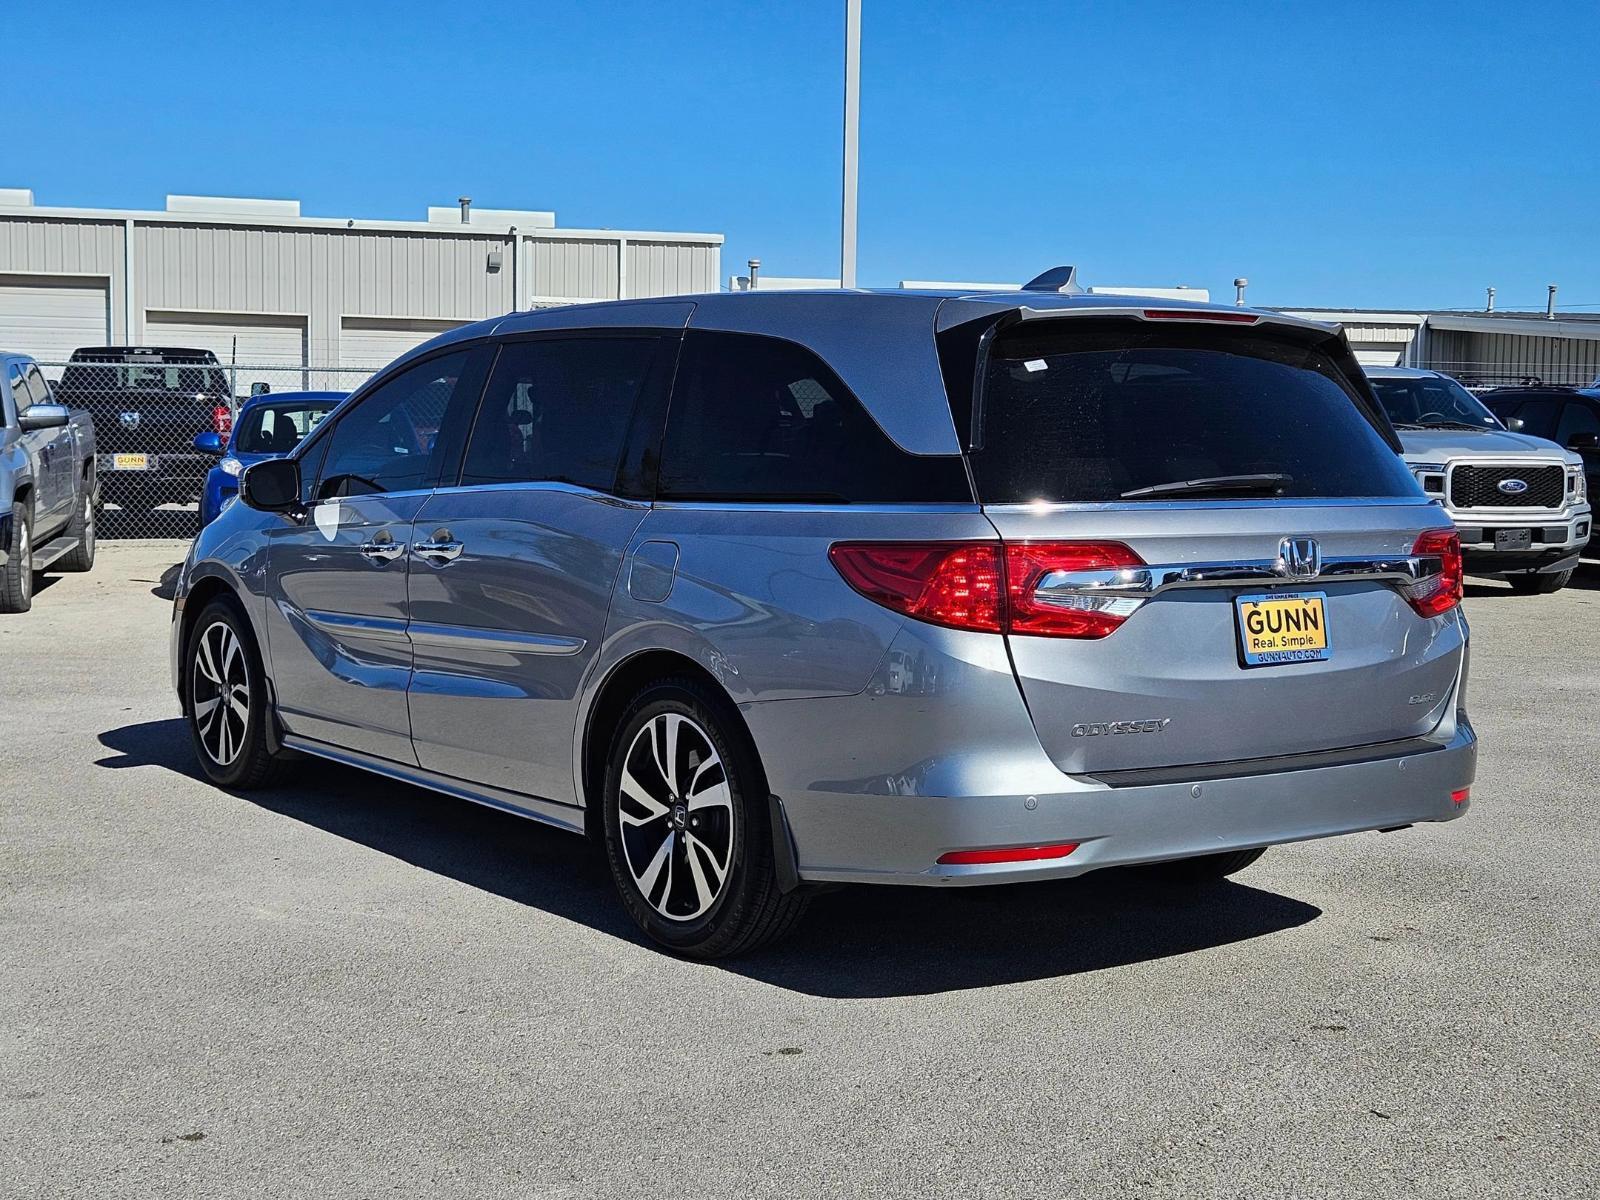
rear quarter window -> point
(758, 418)
(1088, 410)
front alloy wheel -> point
(226, 699)
(220, 691)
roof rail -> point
(1056, 279)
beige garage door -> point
(1379, 354)
(375, 342)
(251, 349)
(50, 318)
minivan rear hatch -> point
(1214, 549)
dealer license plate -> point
(1513, 539)
(1283, 627)
(130, 462)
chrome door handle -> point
(440, 549)
(383, 549)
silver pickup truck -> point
(1519, 502)
(47, 483)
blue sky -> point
(1363, 154)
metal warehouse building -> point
(262, 285)
(1479, 348)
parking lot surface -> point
(347, 987)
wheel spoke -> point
(665, 746)
(239, 700)
(703, 890)
(203, 711)
(663, 859)
(206, 662)
(720, 869)
(634, 790)
(715, 796)
(230, 649)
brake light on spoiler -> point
(987, 587)
(1200, 314)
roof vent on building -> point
(467, 213)
(1056, 279)
(234, 206)
(16, 197)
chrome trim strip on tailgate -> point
(1063, 587)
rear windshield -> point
(1115, 410)
(179, 377)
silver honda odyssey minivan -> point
(770, 590)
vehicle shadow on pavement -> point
(856, 942)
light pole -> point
(852, 140)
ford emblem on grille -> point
(1513, 487)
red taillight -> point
(1027, 563)
(1438, 594)
(1460, 796)
(974, 585)
(1200, 314)
(1017, 854)
(222, 420)
(944, 583)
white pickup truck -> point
(1520, 502)
(47, 483)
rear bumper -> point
(940, 754)
(899, 839)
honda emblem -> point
(1299, 558)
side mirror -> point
(1584, 443)
(209, 442)
(271, 486)
(260, 389)
(43, 416)
(1516, 424)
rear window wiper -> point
(1270, 484)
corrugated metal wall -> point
(322, 274)
(88, 249)
(1511, 357)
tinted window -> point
(1538, 416)
(1576, 418)
(1432, 402)
(1091, 410)
(277, 428)
(760, 418)
(180, 375)
(18, 392)
(37, 385)
(387, 442)
(558, 410)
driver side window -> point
(389, 442)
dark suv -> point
(148, 403)
(1569, 417)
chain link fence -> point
(147, 415)
(1486, 376)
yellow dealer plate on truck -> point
(1283, 627)
(130, 462)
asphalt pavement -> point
(350, 988)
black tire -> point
(1206, 868)
(236, 755)
(1541, 583)
(685, 840)
(16, 577)
(81, 527)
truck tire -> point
(1541, 583)
(16, 577)
(81, 527)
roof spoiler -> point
(1056, 279)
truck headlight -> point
(231, 465)
(1577, 485)
(1430, 476)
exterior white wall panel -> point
(672, 268)
(572, 267)
(84, 253)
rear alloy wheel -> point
(1206, 868)
(226, 700)
(1540, 583)
(687, 831)
(16, 577)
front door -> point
(337, 596)
(513, 569)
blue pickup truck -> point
(47, 483)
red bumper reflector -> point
(1460, 797)
(1016, 854)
